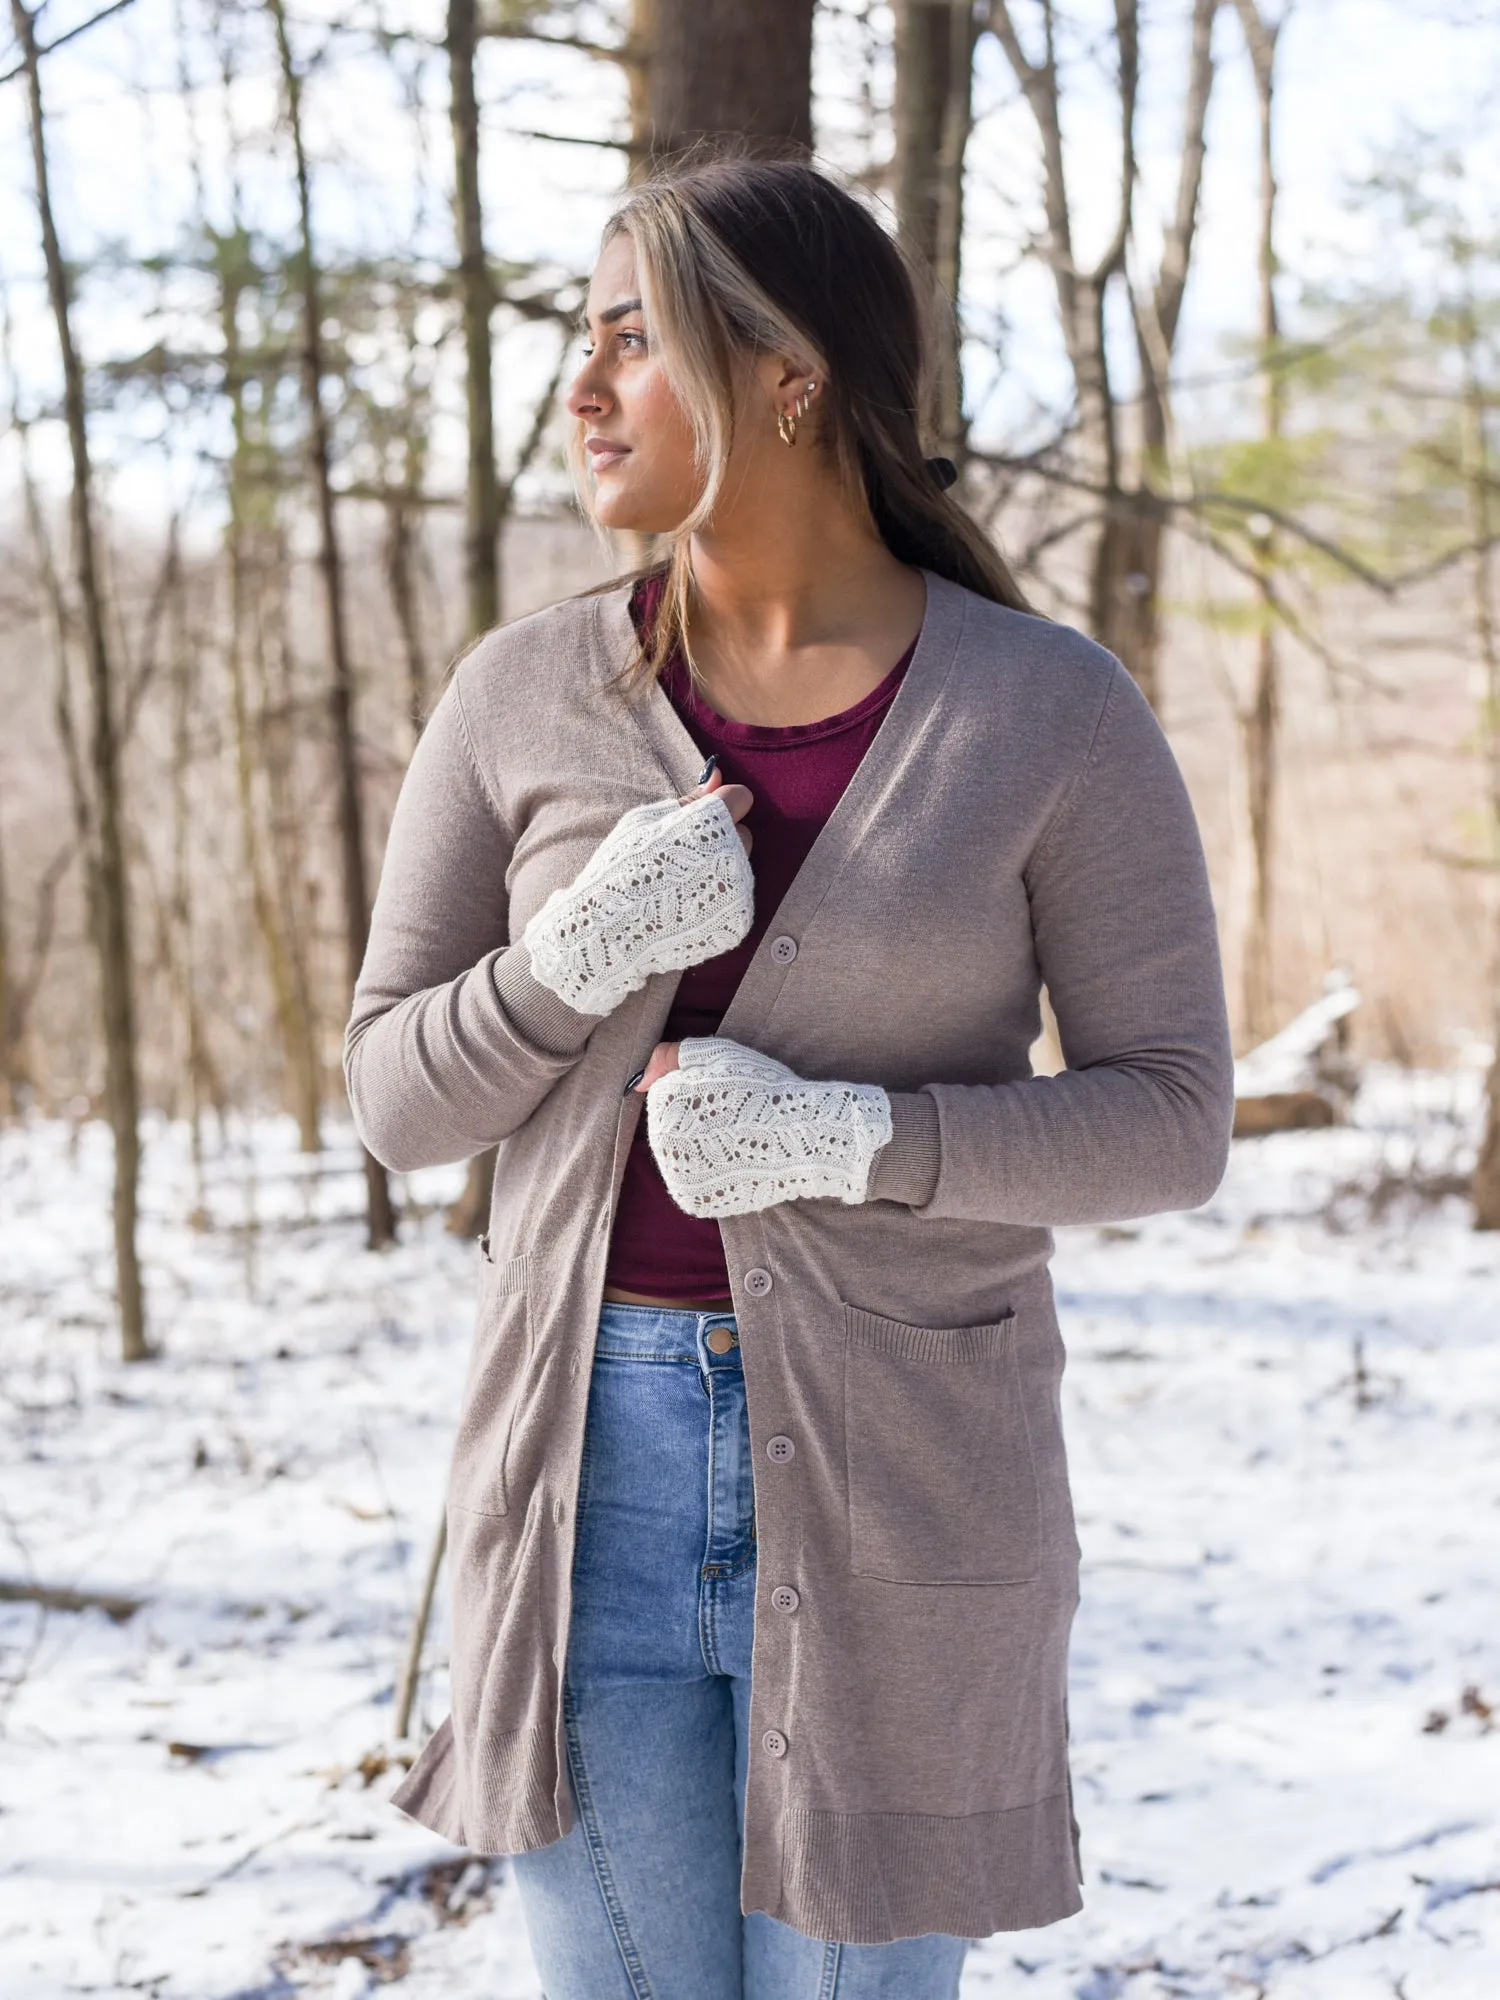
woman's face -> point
(637, 441)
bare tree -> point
(1123, 514)
(934, 52)
(470, 1212)
(403, 502)
(194, 1064)
(109, 904)
(1481, 478)
(477, 304)
(12, 1073)
(488, 499)
(380, 1216)
(248, 382)
(1260, 717)
(22, 983)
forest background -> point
(286, 298)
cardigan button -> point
(773, 1743)
(784, 1598)
(758, 1282)
(783, 950)
(780, 1449)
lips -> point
(604, 452)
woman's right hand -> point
(668, 886)
(737, 798)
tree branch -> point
(1177, 249)
(538, 430)
(71, 36)
(1203, 504)
(628, 54)
(1128, 42)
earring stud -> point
(787, 420)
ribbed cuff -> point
(906, 1170)
(535, 1010)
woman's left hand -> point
(733, 1130)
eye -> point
(632, 336)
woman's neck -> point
(797, 612)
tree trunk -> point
(400, 571)
(470, 1212)
(111, 904)
(1479, 481)
(11, 1079)
(638, 68)
(380, 1215)
(272, 912)
(1081, 291)
(934, 69)
(1485, 1188)
(274, 902)
(1129, 593)
(24, 989)
(183, 955)
(482, 515)
(1124, 527)
(719, 67)
(1260, 723)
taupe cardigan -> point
(1019, 818)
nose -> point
(586, 396)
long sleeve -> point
(452, 1043)
(1127, 945)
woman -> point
(774, 1369)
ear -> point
(785, 377)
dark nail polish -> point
(708, 769)
(633, 1082)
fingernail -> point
(708, 769)
(633, 1082)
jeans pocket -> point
(497, 1373)
(941, 1479)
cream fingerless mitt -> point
(669, 886)
(733, 1131)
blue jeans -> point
(641, 1901)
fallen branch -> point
(411, 1671)
(58, 1597)
(1281, 1111)
(1301, 1078)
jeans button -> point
(780, 1449)
(773, 1743)
(720, 1340)
(784, 1598)
(758, 1282)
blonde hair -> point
(737, 257)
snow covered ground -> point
(1284, 1416)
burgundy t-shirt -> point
(798, 775)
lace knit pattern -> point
(733, 1131)
(668, 886)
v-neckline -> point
(879, 768)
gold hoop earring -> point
(786, 427)
(804, 401)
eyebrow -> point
(612, 313)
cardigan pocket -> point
(941, 1480)
(497, 1367)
